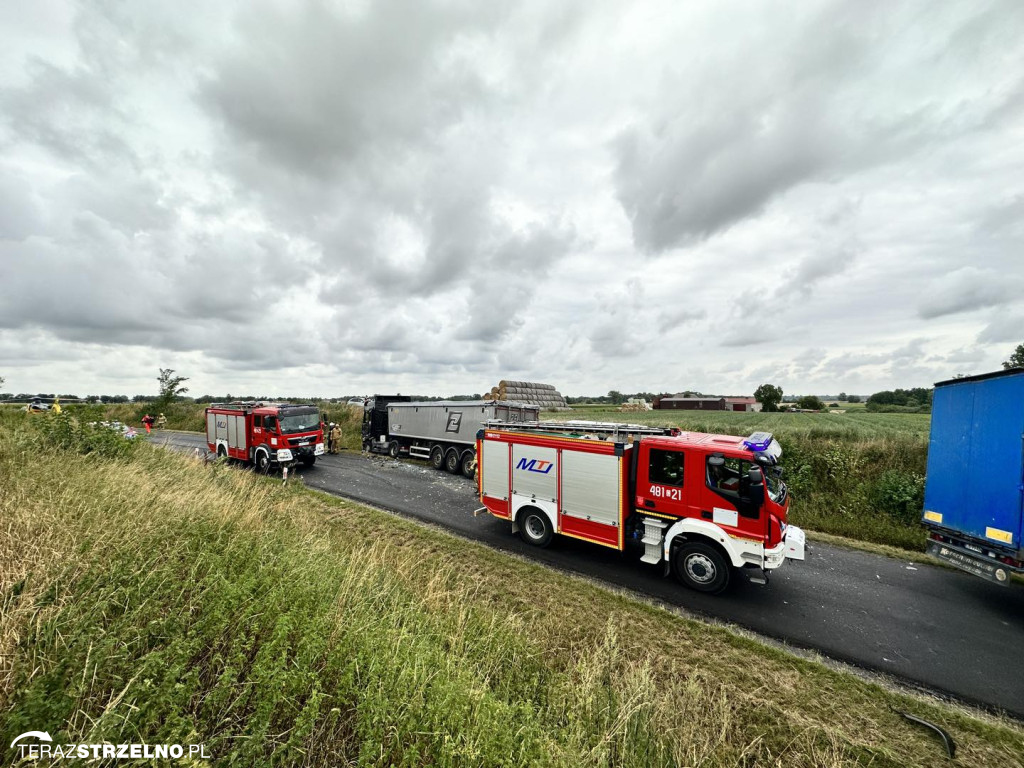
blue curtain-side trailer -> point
(974, 492)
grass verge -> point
(147, 598)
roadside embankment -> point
(151, 598)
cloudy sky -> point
(343, 197)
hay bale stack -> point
(534, 393)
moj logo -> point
(535, 465)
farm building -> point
(742, 404)
(680, 403)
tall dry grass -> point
(150, 598)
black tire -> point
(468, 465)
(437, 457)
(308, 461)
(262, 462)
(222, 453)
(451, 461)
(393, 449)
(701, 567)
(535, 527)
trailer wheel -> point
(468, 465)
(535, 527)
(437, 457)
(393, 449)
(701, 567)
(451, 461)
(262, 462)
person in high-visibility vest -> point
(56, 405)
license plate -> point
(982, 568)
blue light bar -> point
(759, 441)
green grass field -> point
(855, 424)
(151, 598)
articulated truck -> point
(974, 491)
(703, 506)
(441, 431)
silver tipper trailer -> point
(444, 431)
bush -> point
(899, 494)
(74, 433)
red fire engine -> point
(700, 505)
(265, 434)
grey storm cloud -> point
(969, 289)
(329, 86)
(740, 131)
(442, 194)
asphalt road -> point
(949, 632)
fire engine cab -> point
(265, 434)
(704, 506)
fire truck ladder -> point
(606, 429)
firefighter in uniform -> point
(335, 438)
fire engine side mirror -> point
(756, 476)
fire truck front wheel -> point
(701, 567)
(535, 527)
(262, 462)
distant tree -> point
(915, 397)
(810, 403)
(616, 397)
(769, 396)
(1016, 359)
(853, 399)
(170, 387)
(842, 396)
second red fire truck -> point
(703, 506)
(265, 434)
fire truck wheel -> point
(451, 461)
(701, 567)
(468, 465)
(307, 461)
(393, 449)
(534, 527)
(262, 461)
(437, 457)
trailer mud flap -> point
(993, 571)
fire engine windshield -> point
(299, 421)
(776, 488)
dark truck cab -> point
(974, 492)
